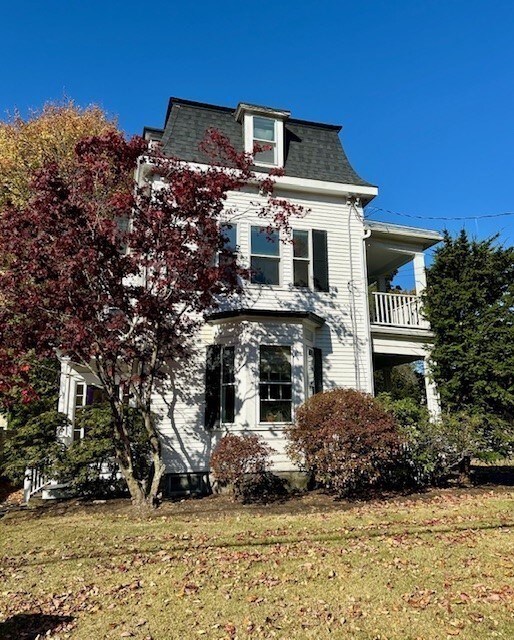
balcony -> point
(396, 310)
(395, 265)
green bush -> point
(346, 441)
(89, 465)
(434, 449)
(34, 443)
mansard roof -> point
(313, 150)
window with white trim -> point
(85, 396)
(310, 259)
(220, 386)
(265, 256)
(265, 135)
(301, 258)
(275, 384)
(229, 234)
(228, 385)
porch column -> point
(381, 284)
(420, 276)
(65, 397)
(433, 401)
(388, 383)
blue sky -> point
(424, 89)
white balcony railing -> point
(397, 309)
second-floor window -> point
(265, 256)
(310, 259)
(301, 258)
(229, 235)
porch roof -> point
(425, 238)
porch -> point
(399, 332)
(395, 262)
(396, 310)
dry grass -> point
(437, 567)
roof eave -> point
(427, 237)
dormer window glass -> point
(265, 135)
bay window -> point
(220, 390)
(228, 391)
(275, 384)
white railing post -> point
(27, 485)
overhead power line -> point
(408, 215)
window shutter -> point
(320, 260)
(318, 371)
(212, 386)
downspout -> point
(351, 202)
(367, 234)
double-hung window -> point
(220, 386)
(229, 235)
(301, 258)
(228, 390)
(85, 396)
(265, 256)
(310, 259)
(275, 384)
(265, 135)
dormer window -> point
(265, 127)
(265, 135)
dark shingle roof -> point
(313, 150)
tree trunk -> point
(465, 470)
(158, 468)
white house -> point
(316, 314)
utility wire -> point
(408, 215)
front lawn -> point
(433, 567)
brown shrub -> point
(346, 440)
(234, 456)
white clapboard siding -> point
(344, 339)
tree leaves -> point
(119, 276)
(469, 302)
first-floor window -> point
(85, 396)
(275, 384)
(80, 402)
(220, 389)
(228, 391)
(314, 373)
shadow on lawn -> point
(29, 626)
(347, 535)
